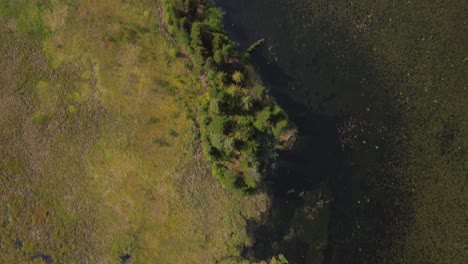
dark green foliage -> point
(218, 56)
(227, 50)
(258, 91)
(214, 107)
(214, 19)
(218, 41)
(213, 92)
(263, 119)
(247, 102)
(218, 124)
(280, 127)
(240, 126)
(184, 38)
(280, 260)
(198, 24)
(221, 78)
(226, 177)
(195, 35)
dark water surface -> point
(319, 77)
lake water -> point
(319, 77)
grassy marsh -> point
(97, 160)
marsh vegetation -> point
(97, 159)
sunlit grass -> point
(89, 170)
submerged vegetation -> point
(392, 76)
(241, 126)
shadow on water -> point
(318, 76)
(295, 183)
(305, 174)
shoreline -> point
(242, 127)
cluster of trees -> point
(197, 25)
(241, 126)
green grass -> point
(82, 178)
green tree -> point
(218, 57)
(238, 77)
(280, 259)
(218, 124)
(213, 19)
(195, 35)
(280, 127)
(258, 91)
(247, 102)
(221, 78)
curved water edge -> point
(322, 87)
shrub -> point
(174, 52)
(251, 180)
(226, 177)
(217, 141)
(279, 260)
(229, 180)
(218, 57)
(245, 120)
(172, 132)
(258, 91)
(211, 75)
(71, 110)
(228, 145)
(221, 78)
(171, 14)
(218, 124)
(214, 107)
(252, 149)
(227, 50)
(213, 92)
(209, 150)
(209, 64)
(213, 19)
(247, 102)
(218, 41)
(195, 36)
(280, 127)
(244, 133)
(183, 23)
(263, 118)
(238, 77)
(222, 97)
(218, 171)
(277, 112)
(184, 38)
